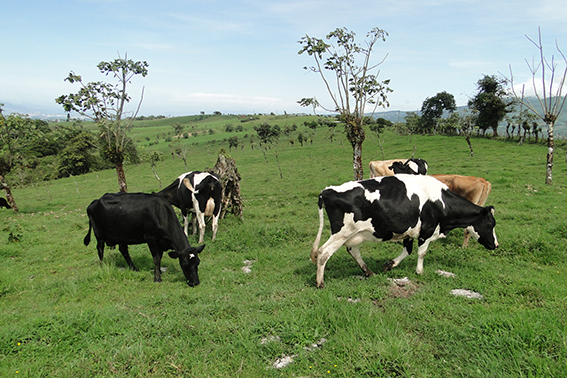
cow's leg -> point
(185, 222)
(157, 254)
(194, 222)
(215, 225)
(355, 252)
(421, 251)
(323, 255)
(201, 220)
(100, 250)
(408, 245)
(124, 250)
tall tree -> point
(432, 110)
(490, 102)
(104, 104)
(349, 66)
(269, 135)
(17, 132)
(550, 96)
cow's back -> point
(132, 218)
(474, 189)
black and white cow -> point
(410, 167)
(394, 208)
(138, 218)
(201, 191)
(4, 203)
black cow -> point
(4, 203)
(394, 208)
(138, 218)
(410, 167)
(200, 191)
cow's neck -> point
(460, 214)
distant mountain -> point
(33, 111)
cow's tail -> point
(315, 248)
(87, 238)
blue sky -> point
(242, 56)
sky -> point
(240, 57)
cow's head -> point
(483, 228)
(189, 262)
(410, 167)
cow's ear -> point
(199, 249)
(488, 209)
(174, 255)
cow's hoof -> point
(388, 266)
(368, 273)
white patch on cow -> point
(425, 187)
(474, 234)
(372, 196)
(191, 256)
(200, 177)
(354, 233)
(412, 232)
(345, 187)
(181, 177)
(413, 166)
(494, 235)
(210, 207)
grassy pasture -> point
(64, 315)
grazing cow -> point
(138, 218)
(394, 208)
(4, 203)
(381, 167)
(475, 189)
(410, 167)
(201, 191)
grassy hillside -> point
(62, 314)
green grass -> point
(63, 314)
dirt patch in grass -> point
(401, 288)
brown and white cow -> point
(382, 167)
(411, 166)
(475, 189)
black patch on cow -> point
(393, 213)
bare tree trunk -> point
(9, 196)
(155, 174)
(357, 161)
(355, 135)
(495, 131)
(550, 148)
(468, 139)
(121, 178)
